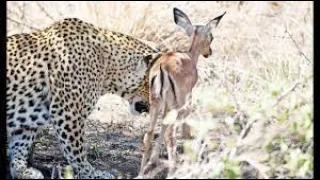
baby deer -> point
(172, 77)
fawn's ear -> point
(214, 22)
(182, 20)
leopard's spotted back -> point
(57, 75)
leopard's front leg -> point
(68, 117)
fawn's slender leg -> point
(148, 137)
(186, 132)
(156, 152)
(171, 146)
(183, 113)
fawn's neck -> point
(194, 50)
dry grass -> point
(254, 102)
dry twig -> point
(285, 93)
(21, 23)
(296, 44)
(44, 10)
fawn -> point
(172, 77)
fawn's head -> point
(200, 34)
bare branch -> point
(12, 12)
(96, 12)
(243, 133)
(59, 12)
(21, 23)
(44, 10)
(23, 14)
(19, 7)
(285, 93)
(296, 44)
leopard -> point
(55, 76)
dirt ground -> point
(108, 150)
(112, 137)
